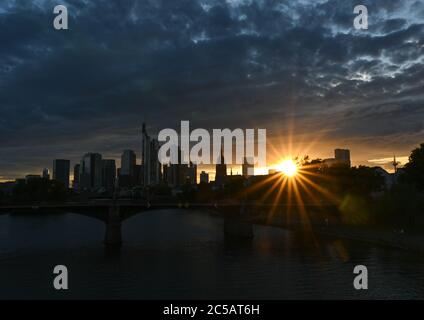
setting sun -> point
(288, 167)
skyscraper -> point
(46, 174)
(137, 175)
(155, 165)
(221, 171)
(128, 161)
(108, 174)
(61, 169)
(204, 177)
(177, 174)
(150, 165)
(248, 167)
(75, 183)
(145, 156)
(91, 171)
(127, 176)
(192, 173)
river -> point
(178, 254)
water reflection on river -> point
(180, 254)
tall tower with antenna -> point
(395, 163)
(221, 170)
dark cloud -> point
(217, 63)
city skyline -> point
(299, 69)
(94, 172)
(230, 169)
(287, 152)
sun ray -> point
(324, 191)
(277, 199)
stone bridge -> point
(238, 217)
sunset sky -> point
(296, 68)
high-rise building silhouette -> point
(221, 170)
(108, 174)
(248, 167)
(128, 161)
(91, 171)
(178, 174)
(75, 183)
(61, 169)
(204, 177)
(46, 174)
(137, 175)
(150, 165)
(192, 174)
(127, 175)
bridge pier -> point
(113, 235)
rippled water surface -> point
(179, 254)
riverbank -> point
(384, 237)
(378, 236)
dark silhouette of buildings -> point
(31, 177)
(341, 157)
(90, 175)
(61, 169)
(108, 174)
(204, 177)
(75, 183)
(127, 175)
(177, 175)
(150, 165)
(192, 174)
(220, 171)
(247, 167)
(137, 175)
(46, 174)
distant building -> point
(342, 156)
(220, 171)
(128, 162)
(330, 162)
(7, 187)
(248, 167)
(61, 169)
(118, 175)
(75, 183)
(108, 174)
(90, 172)
(204, 177)
(20, 182)
(177, 175)
(46, 174)
(32, 177)
(192, 174)
(137, 175)
(127, 176)
(150, 165)
(272, 171)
